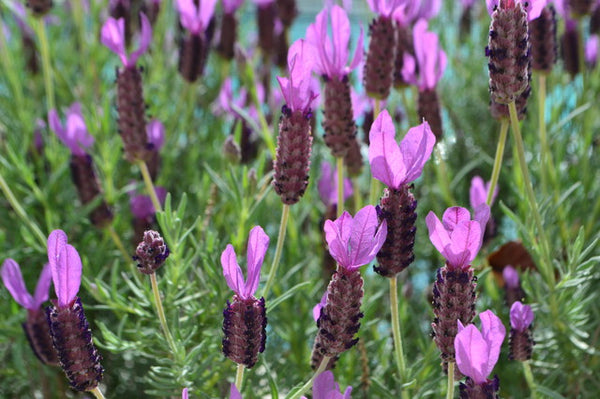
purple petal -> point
(113, 37)
(324, 386)
(184, 393)
(67, 276)
(511, 277)
(316, 36)
(206, 11)
(534, 8)
(326, 187)
(155, 132)
(317, 308)
(56, 125)
(471, 351)
(57, 240)
(361, 241)
(340, 29)
(145, 39)
(188, 15)
(337, 235)
(258, 242)
(234, 393)
(521, 316)
(77, 137)
(232, 272)
(493, 333)
(466, 241)
(41, 289)
(13, 280)
(453, 216)
(491, 5)
(437, 233)
(385, 157)
(481, 215)
(230, 6)
(416, 148)
(477, 192)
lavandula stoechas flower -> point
(512, 285)
(477, 353)
(430, 61)
(458, 238)
(36, 327)
(332, 56)
(143, 211)
(478, 193)
(70, 330)
(569, 45)
(397, 166)
(542, 36)
(195, 17)
(245, 317)
(520, 341)
(151, 253)
(292, 160)
(130, 95)
(118, 9)
(266, 13)
(353, 242)
(325, 387)
(379, 65)
(75, 136)
(228, 33)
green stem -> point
(374, 192)
(442, 176)
(529, 378)
(161, 314)
(280, 239)
(97, 393)
(309, 383)
(79, 18)
(340, 185)
(149, 185)
(40, 30)
(239, 376)
(119, 243)
(12, 200)
(547, 263)
(498, 160)
(10, 71)
(396, 332)
(376, 108)
(450, 388)
(357, 196)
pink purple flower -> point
(457, 237)
(477, 351)
(354, 242)
(234, 393)
(325, 387)
(532, 7)
(195, 18)
(184, 393)
(65, 265)
(328, 183)
(430, 59)
(332, 52)
(521, 316)
(511, 277)
(384, 7)
(479, 191)
(393, 164)
(258, 243)
(74, 133)
(13, 280)
(141, 205)
(591, 50)
(297, 89)
(155, 131)
(316, 312)
(113, 37)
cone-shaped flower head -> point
(393, 164)
(65, 265)
(521, 316)
(113, 37)
(74, 133)
(457, 237)
(478, 192)
(196, 18)
(327, 185)
(430, 59)
(354, 242)
(151, 253)
(258, 242)
(332, 52)
(533, 8)
(13, 280)
(477, 351)
(325, 387)
(297, 89)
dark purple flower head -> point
(354, 242)
(195, 18)
(521, 316)
(65, 265)
(430, 59)
(479, 191)
(511, 277)
(297, 89)
(325, 387)
(13, 280)
(113, 37)
(384, 7)
(457, 237)
(332, 52)
(393, 164)
(532, 7)
(258, 242)
(74, 133)
(327, 185)
(477, 351)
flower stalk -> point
(450, 384)
(285, 214)
(340, 185)
(40, 30)
(309, 383)
(149, 185)
(397, 333)
(497, 160)
(160, 311)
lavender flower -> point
(591, 50)
(521, 341)
(477, 353)
(234, 393)
(229, 26)
(70, 330)
(397, 166)
(151, 253)
(542, 35)
(327, 185)
(184, 393)
(36, 327)
(353, 242)
(266, 15)
(74, 133)
(325, 387)
(512, 286)
(478, 193)
(244, 318)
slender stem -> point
(79, 18)
(46, 65)
(529, 378)
(149, 185)
(374, 192)
(542, 126)
(340, 185)
(376, 108)
(309, 383)
(239, 376)
(442, 176)
(97, 393)
(498, 160)
(547, 263)
(161, 314)
(280, 239)
(19, 210)
(357, 196)
(117, 240)
(397, 334)
(10, 71)
(450, 388)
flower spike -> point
(113, 37)
(195, 18)
(521, 316)
(521, 341)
